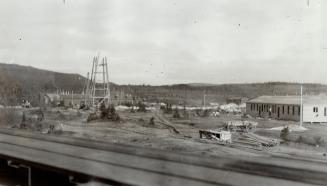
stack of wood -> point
(264, 141)
(240, 126)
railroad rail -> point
(130, 165)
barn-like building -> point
(289, 108)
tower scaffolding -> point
(98, 89)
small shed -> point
(222, 136)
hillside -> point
(28, 82)
(33, 81)
(193, 93)
(30, 77)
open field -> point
(171, 134)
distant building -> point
(72, 99)
(289, 108)
(117, 98)
(236, 100)
(51, 99)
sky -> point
(170, 41)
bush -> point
(319, 141)
(127, 104)
(142, 107)
(151, 122)
(185, 113)
(168, 109)
(206, 113)
(112, 114)
(176, 114)
(284, 133)
(91, 117)
(103, 111)
(105, 114)
(300, 139)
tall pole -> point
(72, 98)
(185, 96)
(204, 99)
(301, 119)
(108, 83)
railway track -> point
(141, 166)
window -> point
(293, 110)
(299, 110)
(325, 111)
(283, 109)
(315, 109)
(274, 109)
(288, 110)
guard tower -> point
(98, 87)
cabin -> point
(289, 108)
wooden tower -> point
(98, 87)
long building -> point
(289, 108)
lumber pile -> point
(264, 141)
(240, 126)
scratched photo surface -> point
(163, 92)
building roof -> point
(289, 100)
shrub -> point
(319, 141)
(142, 107)
(168, 109)
(103, 110)
(176, 114)
(284, 133)
(91, 117)
(151, 122)
(300, 139)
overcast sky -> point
(170, 41)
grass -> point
(10, 117)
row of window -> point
(285, 109)
(274, 109)
(315, 110)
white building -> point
(289, 108)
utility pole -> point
(301, 107)
(204, 99)
(72, 98)
(185, 96)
